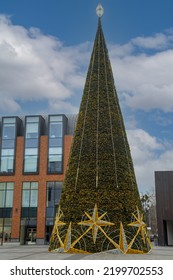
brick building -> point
(34, 152)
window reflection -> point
(55, 130)
(5, 230)
(8, 131)
(32, 130)
(55, 144)
(32, 125)
(6, 195)
(29, 199)
(53, 196)
(8, 145)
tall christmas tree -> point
(100, 207)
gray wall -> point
(164, 206)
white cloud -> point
(61, 106)
(37, 67)
(149, 155)
(144, 78)
(10, 104)
(157, 41)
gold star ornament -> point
(139, 223)
(95, 222)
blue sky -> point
(45, 47)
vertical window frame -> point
(37, 155)
(14, 120)
(29, 189)
(61, 140)
(54, 187)
(7, 189)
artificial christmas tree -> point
(100, 207)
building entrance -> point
(28, 231)
(5, 232)
(31, 235)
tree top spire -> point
(99, 10)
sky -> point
(45, 48)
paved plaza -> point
(34, 252)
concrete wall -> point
(170, 232)
(164, 206)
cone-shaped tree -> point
(100, 173)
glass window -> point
(55, 151)
(56, 118)
(25, 198)
(57, 195)
(8, 144)
(30, 194)
(7, 164)
(33, 198)
(53, 193)
(6, 195)
(31, 143)
(55, 163)
(26, 185)
(2, 199)
(50, 212)
(2, 186)
(10, 186)
(5, 234)
(55, 142)
(9, 199)
(50, 196)
(55, 158)
(7, 221)
(32, 130)
(8, 131)
(7, 152)
(55, 130)
(53, 196)
(31, 151)
(9, 120)
(30, 164)
(34, 185)
(34, 119)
